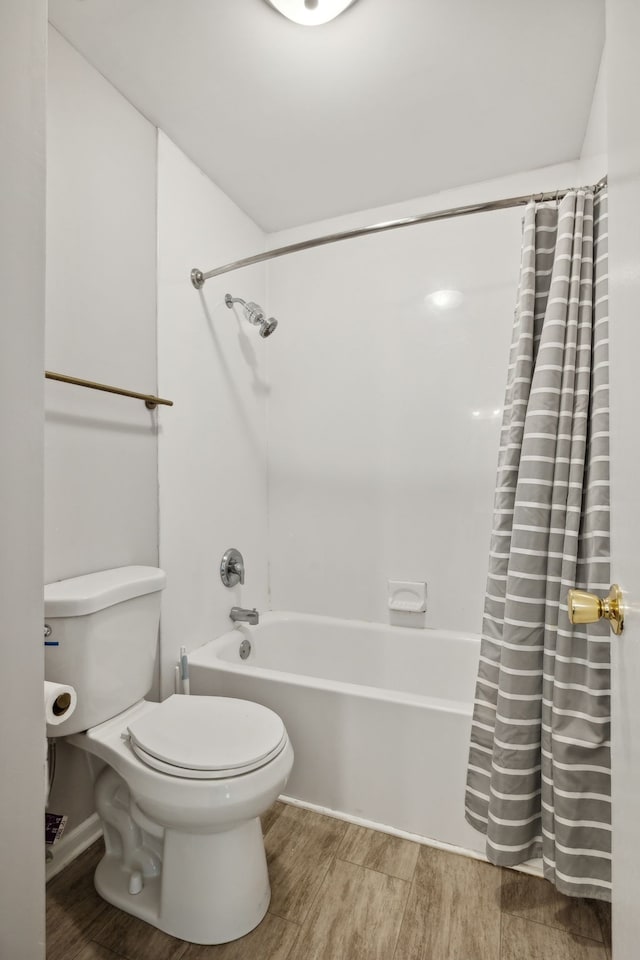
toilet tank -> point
(103, 640)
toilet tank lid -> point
(80, 596)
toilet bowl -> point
(185, 780)
(184, 849)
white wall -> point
(101, 484)
(22, 224)
(593, 156)
(623, 83)
(383, 431)
(212, 450)
(101, 507)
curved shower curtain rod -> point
(198, 278)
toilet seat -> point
(207, 738)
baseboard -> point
(77, 840)
(73, 844)
(533, 867)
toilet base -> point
(211, 888)
(185, 855)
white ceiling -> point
(395, 99)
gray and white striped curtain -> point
(539, 767)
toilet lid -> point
(207, 737)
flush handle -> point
(586, 607)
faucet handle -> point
(232, 567)
(237, 567)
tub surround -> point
(212, 450)
(373, 371)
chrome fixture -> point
(198, 277)
(239, 614)
(245, 649)
(254, 314)
(232, 567)
(310, 13)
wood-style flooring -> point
(342, 892)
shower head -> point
(267, 327)
(254, 313)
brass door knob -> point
(586, 607)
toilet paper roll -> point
(59, 702)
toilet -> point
(179, 785)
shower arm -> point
(253, 312)
(229, 300)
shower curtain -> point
(539, 766)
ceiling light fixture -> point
(310, 13)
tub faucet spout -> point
(246, 616)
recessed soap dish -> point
(407, 596)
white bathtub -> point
(379, 716)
